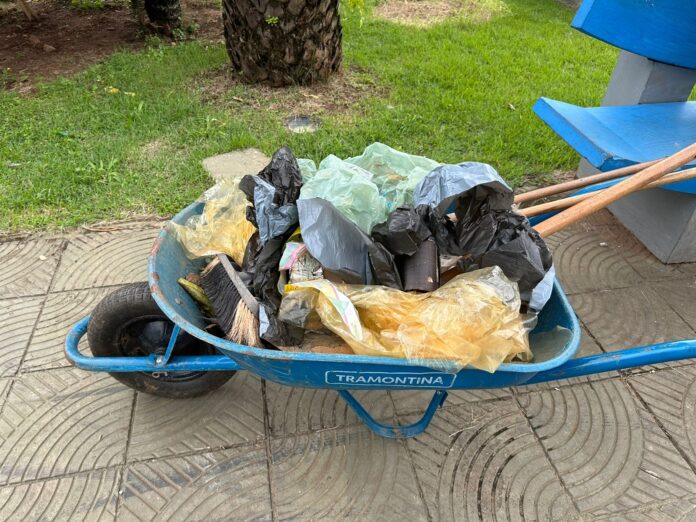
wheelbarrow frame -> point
(349, 372)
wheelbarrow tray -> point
(552, 360)
(168, 262)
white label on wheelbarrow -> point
(411, 380)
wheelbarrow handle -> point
(190, 363)
(620, 360)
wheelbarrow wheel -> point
(128, 323)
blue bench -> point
(644, 115)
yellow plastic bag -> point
(222, 227)
(473, 319)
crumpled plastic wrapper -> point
(472, 320)
(222, 227)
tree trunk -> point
(283, 42)
(165, 15)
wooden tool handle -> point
(244, 293)
(575, 184)
(560, 204)
(606, 197)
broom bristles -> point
(245, 327)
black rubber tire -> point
(129, 322)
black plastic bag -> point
(342, 248)
(283, 173)
(485, 237)
(403, 232)
(273, 192)
(484, 230)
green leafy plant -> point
(87, 4)
(8, 78)
(152, 41)
(178, 34)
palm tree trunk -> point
(165, 15)
(283, 42)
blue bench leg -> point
(396, 432)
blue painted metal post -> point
(396, 432)
(162, 361)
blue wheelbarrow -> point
(153, 338)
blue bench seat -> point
(614, 137)
(609, 137)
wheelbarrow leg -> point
(396, 432)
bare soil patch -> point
(340, 94)
(64, 40)
(424, 13)
(61, 41)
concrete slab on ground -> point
(235, 164)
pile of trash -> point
(383, 254)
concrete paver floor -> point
(616, 446)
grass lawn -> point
(76, 151)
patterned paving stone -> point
(224, 485)
(87, 496)
(680, 295)
(61, 311)
(640, 258)
(483, 462)
(600, 219)
(687, 268)
(609, 451)
(17, 320)
(683, 510)
(4, 390)
(346, 473)
(671, 396)
(629, 317)
(106, 258)
(62, 421)
(233, 414)
(294, 410)
(589, 259)
(415, 401)
(28, 266)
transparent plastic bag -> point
(366, 188)
(307, 168)
(222, 227)
(472, 320)
(395, 173)
(350, 189)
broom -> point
(560, 204)
(236, 310)
(606, 197)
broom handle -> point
(244, 293)
(560, 204)
(574, 184)
(607, 197)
